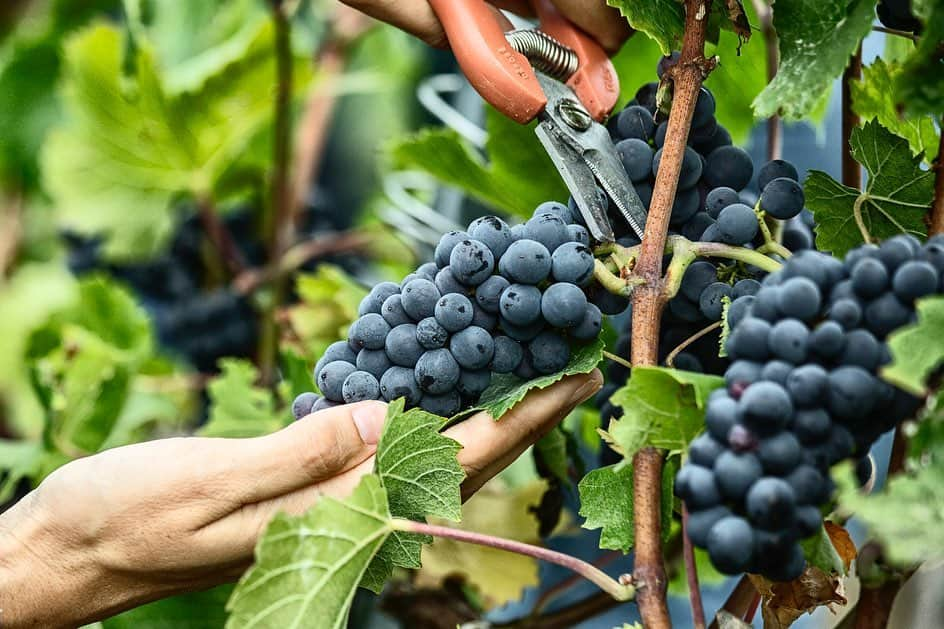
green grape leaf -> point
(874, 98)
(661, 20)
(239, 408)
(917, 350)
(816, 37)
(135, 146)
(308, 566)
(664, 408)
(507, 390)
(110, 312)
(606, 502)
(195, 40)
(921, 82)
(195, 610)
(906, 516)
(895, 200)
(820, 552)
(18, 460)
(329, 299)
(518, 177)
(421, 475)
(552, 448)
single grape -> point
(430, 335)
(447, 283)
(730, 545)
(886, 314)
(402, 346)
(563, 305)
(736, 472)
(846, 313)
(495, 233)
(739, 308)
(700, 523)
(766, 407)
(691, 169)
(636, 156)
(704, 449)
(549, 352)
(685, 206)
(742, 373)
(339, 350)
(869, 278)
(775, 169)
(400, 382)
(685, 309)
(788, 340)
(427, 270)
(375, 298)
(896, 251)
(808, 484)
(807, 385)
(779, 453)
(782, 198)
(720, 198)
(360, 386)
(573, 263)
(728, 166)
(566, 212)
(590, 325)
(771, 503)
(915, 279)
(393, 313)
(700, 486)
(850, 392)
(471, 262)
(445, 405)
(453, 312)
(720, 137)
(483, 319)
(812, 425)
(520, 304)
(472, 348)
(776, 371)
(695, 228)
(578, 234)
(862, 349)
(472, 383)
(744, 287)
(704, 108)
(301, 405)
(437, 372)
(526, 261)
(446, 245)
(646, 95)
(370, 331)
(737, 224)
(749, 339)
(635, 122)
(827, 340)
(374, 361)
(507, 355)
(800, 298)
(522, 333)
(488, 293)
(323, 404)
(331, 379)
(711, 301)
(547, 229)
(419, 299)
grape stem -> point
(278, 222)
(621, 285)
(621, 590)
(771, 245)
(851, 171)
(670, 359)
(895, 31)
(936, 219)
(619, 360)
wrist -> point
(44, 580)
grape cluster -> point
(801, 394)
(897, 14)
(496, 299)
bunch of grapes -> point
(497, 299)
(897, 14)
(801, 394)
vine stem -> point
(895, 31)
(937, 206)
(851, 171)
(219, 235)
(691, 573)
(278, 223)
(670, 359)
(765, 16)
(622, 590)
(648, 302)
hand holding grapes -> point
(146, 521)
(417, 17)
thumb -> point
(319, 446)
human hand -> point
(141, 522)
(416, 16)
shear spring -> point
(545, 53)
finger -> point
(413, 16)
(317, 447)
(488, 446)
(604, 23)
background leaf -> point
(662, 407)
(921, 83)
(198, 610)
(817, 37)
(606, 501)
(662, 20)
(309, 565)
(239, 408)
(895, 200)
(917, 350)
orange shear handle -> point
(504, 77)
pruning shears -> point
(560, 76)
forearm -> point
(44, 580)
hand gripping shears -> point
(561, 76)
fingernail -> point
(586, 390)
(369, 419)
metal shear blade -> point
(584, 155)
